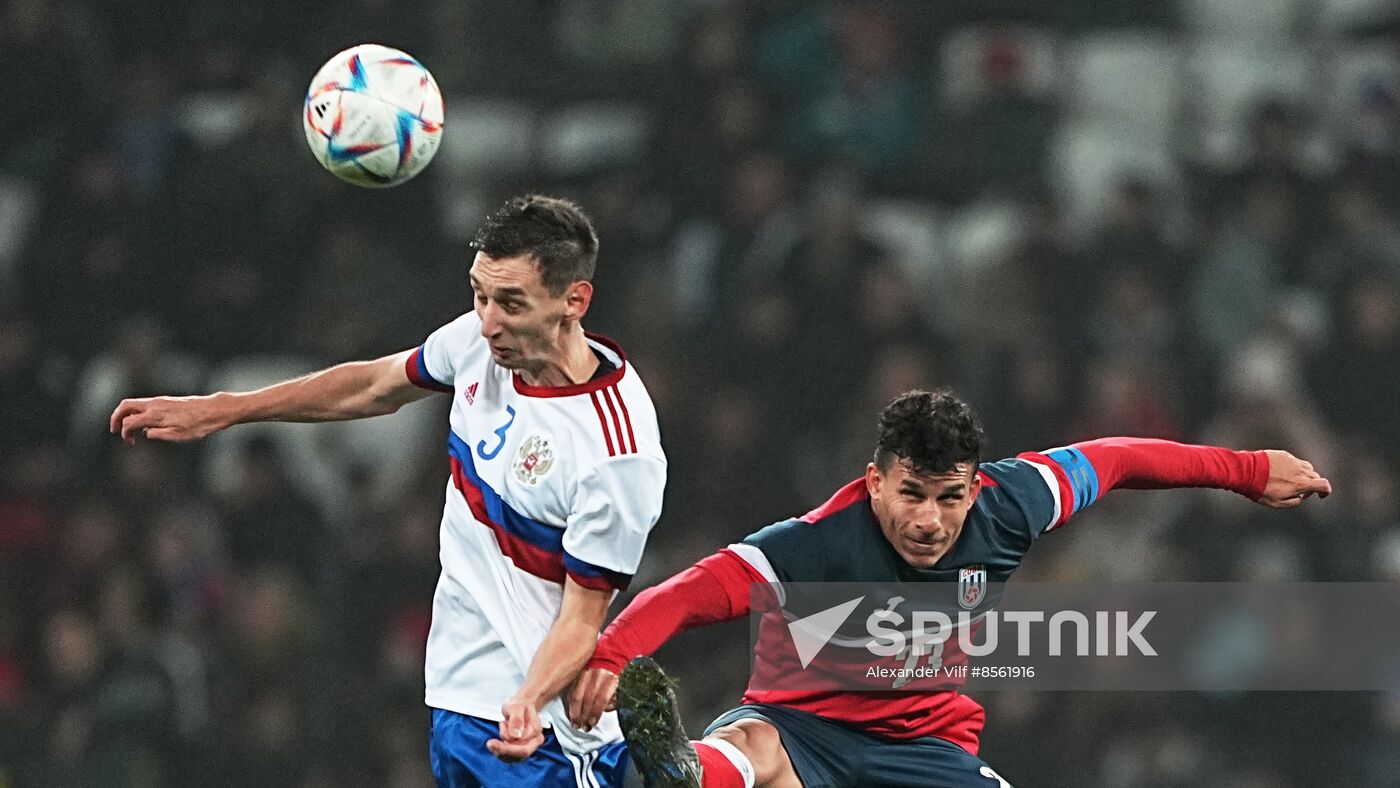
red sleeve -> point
(715, 589)
(1153, 464)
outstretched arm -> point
(346, 391)
(713, 590)
(1084, 471)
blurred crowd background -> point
(1089, 217)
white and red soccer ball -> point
(373, 116)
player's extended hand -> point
(166, 418)
(521, 732)
(1291, 481)
(594, 692)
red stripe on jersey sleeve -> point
(626, 417)
(603, 420)
(622, 447)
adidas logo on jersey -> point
(470, 393)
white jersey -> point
(547, 483)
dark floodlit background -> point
(1090, 217)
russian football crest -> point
(972, 585)
(534, 461)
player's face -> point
(921, 514)
(520, 319)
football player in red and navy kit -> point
(924, 510)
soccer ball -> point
(373, 116)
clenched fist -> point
(521, 731)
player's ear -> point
(873, 479)
(577, 298)
(974, 487)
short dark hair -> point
(556, 232)
(933, 430)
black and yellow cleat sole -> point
(651, 724)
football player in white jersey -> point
(557, 478)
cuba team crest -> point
(535, 459)
(972, 585)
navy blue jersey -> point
(841, 542)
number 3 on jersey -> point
(501, 438)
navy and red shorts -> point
(827, 754)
